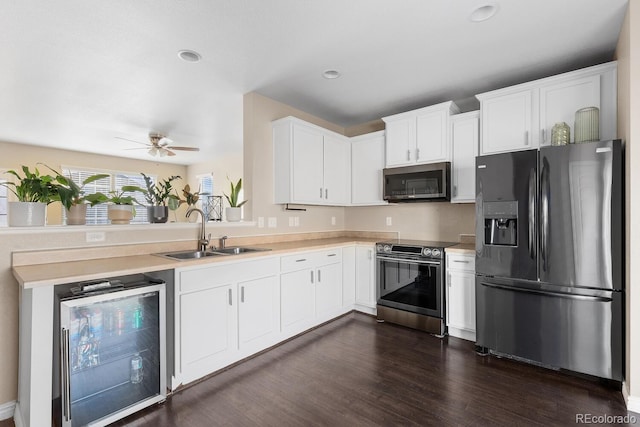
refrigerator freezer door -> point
(581, 215)
(579, 332)
(506, 236)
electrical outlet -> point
(296, 221)
(260, 222)
(333, 220)
(272, 222)
(389, 221)
(95, 236)
(292, 221)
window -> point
(206, 186)
(3, 206)
(115, 182)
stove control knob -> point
(436, 253)
(387, 248)
(379, 248)
(426, 251)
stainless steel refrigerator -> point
(549, 256)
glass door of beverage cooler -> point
(112, 354)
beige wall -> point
(628, 56)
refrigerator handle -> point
(548, 293)
(532, 213)
(544, 213)
(66, 380)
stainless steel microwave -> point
(419, 183)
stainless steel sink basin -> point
(185, 255)
(236, 250)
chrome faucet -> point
(202, 241)
(223, 241)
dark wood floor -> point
(355, 371)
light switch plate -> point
(260, 222)
(333, 220)
(272, 222)
(292, 222)
(389, 221)
(296, 221)
(95, 236)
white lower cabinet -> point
(365, 279)
(224, 313)
(461, 296)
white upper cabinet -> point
(506, 122)
(464, 144)
(560, 101)
(311, 165)
(419, 136)
(367, 162)
(521, 117)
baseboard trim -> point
(7, 410)
(633, 404)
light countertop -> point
(36, 275)
(462, 248)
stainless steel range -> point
(411, 277)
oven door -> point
(410, 284)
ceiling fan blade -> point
(137, 148)
(169, 153)
(182, 148)
(131, 140)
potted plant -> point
(189, 198)
(233, 212)
(157, 196)
(34, 192)
(121, 208)
(73, 196)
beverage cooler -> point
(111, 359)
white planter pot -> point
(233, 214)
(120, 214)
(27, 214)
(77, 215)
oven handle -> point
(407, 260)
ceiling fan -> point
(159, 145)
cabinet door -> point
(308, 153)
(337, 177)
(400, 141)
(559, 103)
(506, 123)
(367, 162)
(297, 306)
(207, 330)
(461, 313)
(328, 284)
(258, 312)
(465, 149)
(365, 277)
(432, 142)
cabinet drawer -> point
(303, 260)
(459, 262)
(210, 277)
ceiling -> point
(76, 74)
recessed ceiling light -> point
(189, 55)
(484, 12)
(331, 74)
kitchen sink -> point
(185, 255)
(235, 250)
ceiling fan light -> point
(153, 151)
(163, 152)
(484, 12)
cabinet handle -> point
(230, 300)
(464, 262)
(455, 190)
(408, 154)
(311, 276)
(449, 280)
(326, 193)
(544, 135)
(321, 192)
(318, 276)
(241, 293)
(417, 153)
(370, 253)
(526, 137)
(66, 380)
(301, 259)
(332, 255)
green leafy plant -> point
(158, 194)
(232, 197)
(33, 187)
(117, 197)
(71, 194)
(189, 197)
